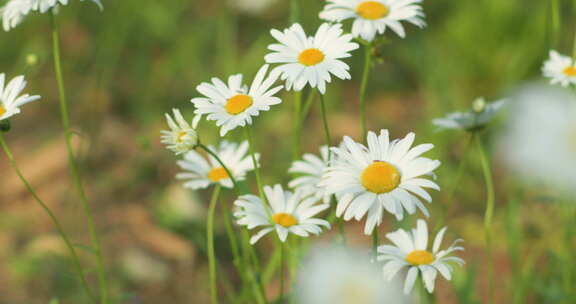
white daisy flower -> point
(478, 117)
(539, 141)
(182, 136)
(560, 69)
(334, 274)
(234, 104)
(288, 212)
(386, 175)
(375, 16)
(411, 250)
(311, 60)
(310, 171)
(200, 173)
(11, 97)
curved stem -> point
(249, 137)
(363, 85)
(76, 261)
(210, 245)
(213, 154)
(74, 172)
(325, 123)
(490, 199)
(297, 128)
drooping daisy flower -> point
(10, 96)
(375, 16)
(310, 171)
(233, 104)
(200, 173)
(410, 250)
(311, 60)
(288, 212)
(341, 275)
(478, 117)
(386, 175)
(539, 141)
(182, 136)
(560, 69)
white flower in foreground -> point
(311, 60)
(182, 136)
(14, 11)
(539, 142)
(560, 69)
(10, 96)
(233, 104)
(286, 213)
(310, 171)
(386, 175)
(411, 250)
(339, 275)
(479, 116)
(200, 173)
(374, 17)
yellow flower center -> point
(284, 219)
(380, 177)
(2, 110)
(570, 71)
(311, 57)
(238, 104)
(371, 10)
(180, 136)
(420, 257)
(217, 174)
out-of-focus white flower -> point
(182, 136)
(411, 250)
(310, 170)
(338, 275)
(540, 138)
(311, 60)
(200, 173)
(385, 175)
(252, 7)
(375, 16)
(286, 213)
(560, 69)
(479, 116)
(11, 97)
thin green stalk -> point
(490, 199)
(257, 286)
(325, 123)
(76, 261)
(250, 139)
(233, 239)
(306, 107)
(210, 244)
(294, 11)
(375, 241)
(297, 128)
(96, 244)
(282, 269)
(555, 19)
(213, 154)
(363, 85)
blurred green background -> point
(127, 65)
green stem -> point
(375, 241)
(76, 261)
(282, 269)
(325, 123)
(363, 85)
(210, 245)
(213, 154)
(72, 161)
(297, 128)
(233, 238)
(555, 19)
(258, 288)
(250, 139)
(490, 199)
(294, 11)
(306, 108)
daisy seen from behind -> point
(285, 212)
(560, 69)
(199, 172)
(385, 175)
(233, 104)
(310, 171)
(311, 60)
(410, 251)
(11, 97)
(478, 117)
(182, 136)
(375, 16)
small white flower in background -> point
(386, 175)
(286, 212)
(14, 11)
(311, 60)
(341, 275)
(374, 17)
(200, 173)
(10, 96)
(560, 69)
(479, 116)
(233, 104)
(182, 136)
(252, 7)
(539, 141)
(310, 171)
(410, 250)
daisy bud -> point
(479, 105)
(181, 137)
